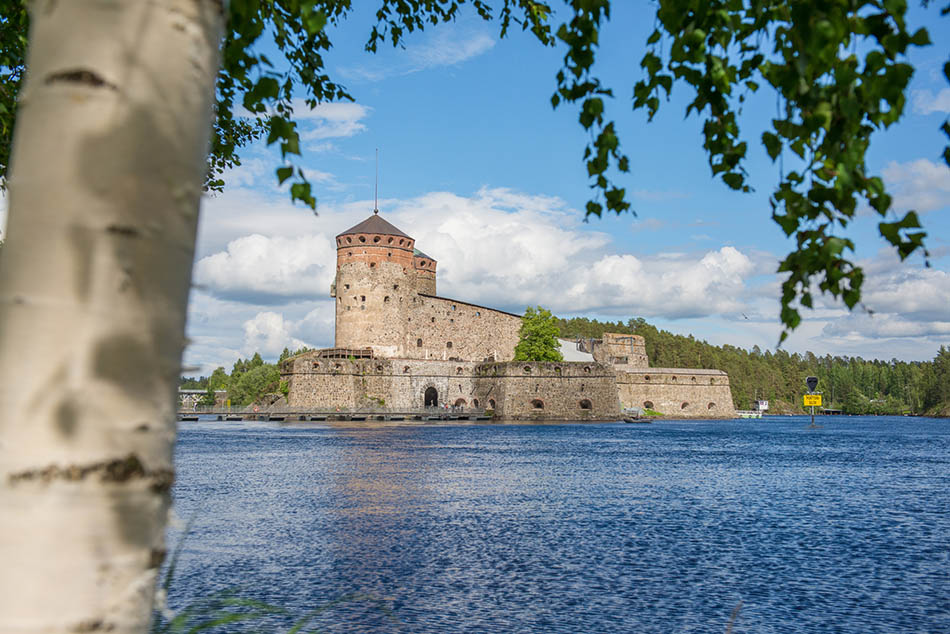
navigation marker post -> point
(812, 398)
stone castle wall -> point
(440, 328)
(371, 306)
(619, 349)
(549, 391)
(677, 393)
(515, 390)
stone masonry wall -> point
(440, 328)
(677, 393)
(548, 391)
(372, 383)
(620, 349)
(371, 306)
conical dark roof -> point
(375, 224)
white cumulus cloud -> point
(921, 185)
(263, 270)
(269, 333)
(331, 120)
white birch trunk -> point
(109, 157)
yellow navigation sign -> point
(813, 400)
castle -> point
(399, 345)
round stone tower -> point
(375, 281)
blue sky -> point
(475, 164)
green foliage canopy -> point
(838, 69)
(537, 338)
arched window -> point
(372, 265)
(684, 405)
(448, 345)
(405, 369)
(710, 405)
(474, 402)
(460, 402)
(537, 404)
(376, 239)
(418, 343)
(585, 404)
(431, 397)
(362, 238)
(379, 368)
(458, 371)
(527, 369)
(647, 404)
(491, 403)
(646, 378)
(386, 299)
(587, 369)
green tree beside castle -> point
(537, 338)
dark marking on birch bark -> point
(124, 230)
(94, 625)
(155, 557)
(115, 471)
(80, 76)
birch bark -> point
(108, 162)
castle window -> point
(491, 403)
(372, 265)
(448, 344)
(673, 379)
(453, 306)
(587, 369)
(379, 368)
(389, 254)
(418, 343)
(537, 404)
(390, 241)
(557, 369)
(451, 321)
(684, 405)
(376, 239)
(458, 370)
(527, 369)
(362, 238)
(405, 369)
(585, 404)
(648, 404)
(693, 379)
(710, 405)
(347, 307)
(478, 313)
(401, 242)
(349, 241)
(362, 298)
(474, 402)
(433, 320)
(712, 381)
(395, 287)
(460, 402)
(386, 299)
(646, 378)
(349, 253)
(316, 364)
(346, 287)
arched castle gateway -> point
(399, 345)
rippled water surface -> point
(575, 528)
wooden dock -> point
(295, 415)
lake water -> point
(574, 528)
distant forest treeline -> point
(858, 386)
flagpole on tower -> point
(376, 191)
